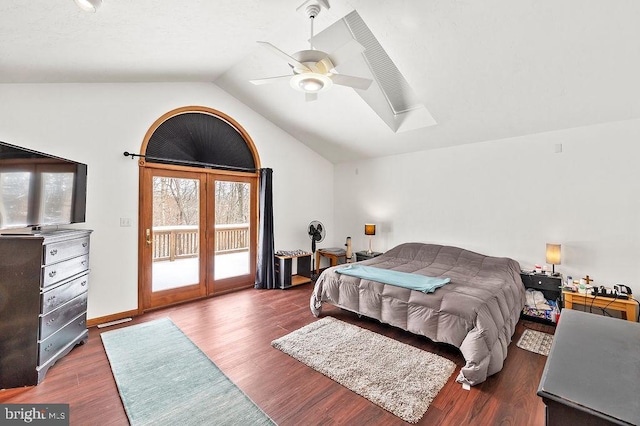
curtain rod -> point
(191, 163)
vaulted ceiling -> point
(484, 70)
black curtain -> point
(265, 271)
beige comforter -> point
(476, 312)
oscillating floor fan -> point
(316, 232)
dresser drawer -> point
(57, 272)
(60, 295)
(56, 252)
(51, 322)
(50, 346)
(541, 282)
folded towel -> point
(418, 282)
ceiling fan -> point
(314, 70)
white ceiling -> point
(484, 69)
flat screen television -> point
(39, 190)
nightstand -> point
(549, 285)
(363, 255)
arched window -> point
(200, 137)
(198, 207)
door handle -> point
(149, 240)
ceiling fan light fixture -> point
(311, 82)
(311, 85)
(88, 5)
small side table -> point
(363, 255)
(549, 285)
(284, 276)
(626, 306)
(333, 254)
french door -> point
(197, 234)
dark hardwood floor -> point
(235, 331)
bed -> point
(476, 311)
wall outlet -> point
(125, 222)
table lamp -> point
(370, 230)
(553, 256)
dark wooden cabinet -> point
(591, 374)
(43, 302)
(284, 270)
(550, 286)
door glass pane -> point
(176, 230)
(232, 201)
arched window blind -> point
(200, 139)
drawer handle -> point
(84, 263)
(48, 348)
(84, 244)
(52, 274)
(51, 321)
(53, 252)
(51, 299)
(81, 322)
(83, 283)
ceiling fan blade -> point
(348, 51)
(290, 60)
(310, 97)
(269, 80)
(351, 81)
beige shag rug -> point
(535, 341)
(395, 376)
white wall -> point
(505, 198)
(509, 198)
(96, 123)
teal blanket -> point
(401, 279)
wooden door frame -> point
(244, 281)
(255, 175)
(144, 217)
(147, 300)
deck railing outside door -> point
(181, 242)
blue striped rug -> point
(165, 379)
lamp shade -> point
(369, 229)
(553, 254)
